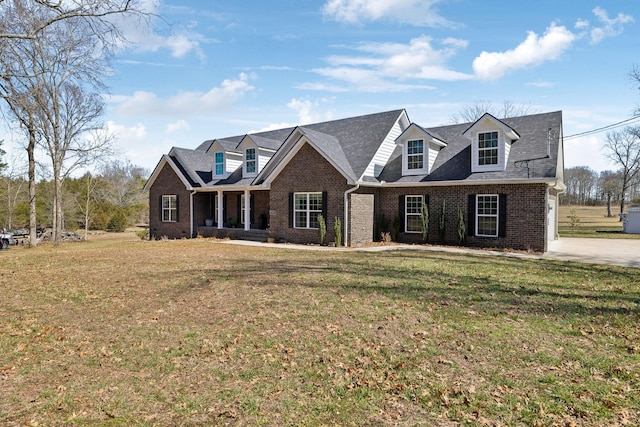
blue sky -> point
(220, 68)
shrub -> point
(424, 221)
(337, 231)
(143, 234)
(322, 229)
(462, 229)
(442, 222)
(118, 221)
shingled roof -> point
(527, 157)
(350, 145)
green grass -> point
(201, 333)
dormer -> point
(255, 154)
(491, 141)
(419, 150)
(225, 159)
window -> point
(170, 208)
(250, 160)
(415, 154)
(412, 214)
(487, 215)
(488, 148)
(219, 163)
(306, 208)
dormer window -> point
(491, 141)
(488, 148)
(250, 161)
(415, 154)
(219, 163)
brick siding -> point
(168, 183)
(309, 172)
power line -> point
(612, 126)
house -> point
(373, 172)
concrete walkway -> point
(624, 252)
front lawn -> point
(197, 332)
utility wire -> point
(612, 126)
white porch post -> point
(247, 210)
(219, 202)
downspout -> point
(191, 211)
(346, 212)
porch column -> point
(247, 210)
(219, 204)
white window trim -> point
(407, 214)
(496, 216)
(405, 158)
(170, 208)
(496, 148)
(307, 210)
(475, 155)
(254, 160)
(215, 164)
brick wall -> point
(168, 183)
(361, 218)
(308, 171)
(525, 217)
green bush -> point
(322, 229)
(337, 231)
(118, 221)
(143, 234)
(424, 222)
(462, 229)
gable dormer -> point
(254, 155)
(491, 141)
(225, 159)
(419, 150)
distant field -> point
(593, 222)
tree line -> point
(111, 199)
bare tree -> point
(609, 184)
(53, 57)
(472, 112)
(581, 184)
(92, 12)
(623, 149)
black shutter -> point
(238, 209)
(224, 209)
(471, 215)
(502, 215)
(251, 209)
(426, 202)
(290, 210)
(177, 208)
(401, 201)
(161, 209)
(324, 206)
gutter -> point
(346, 211)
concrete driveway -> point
(625, 252)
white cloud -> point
(392, 67)
(413, 12)
(611, 26)
(191, 104)
(178, 126)
(126, 134)
(533, 51)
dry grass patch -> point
(198, 332)
(592, 221)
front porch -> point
(254, 235)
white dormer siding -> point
(223, 161)
(385, 150)
(254, 158)
(419, 150)
(491, 141)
